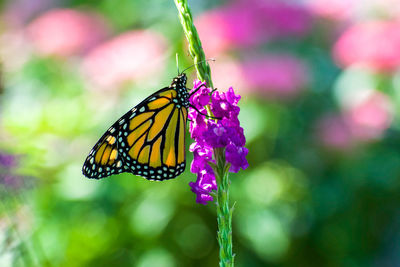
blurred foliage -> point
(301, 202)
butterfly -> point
(149, 140)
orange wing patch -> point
(170, 94)
(138, 132)
(134, 151)
(106, 154)
(159, 122)
(158, 103)
(139, 119)
(169, 156)
(181, 139)
(155, 157)
(144, 155)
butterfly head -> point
(179, 81)
(179, 84)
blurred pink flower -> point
(375, 44)
(281, 76)
(228, 72)
(219, 34)
(345, 10)
(129, 56)
(333, 132)
(365, 121)
(64, 32)
(333, 9)
(247, 23)
(369, 118)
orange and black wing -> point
(149, 141)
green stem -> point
(221, 169)
(195, 47)
(224, 213)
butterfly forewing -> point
(149, 140)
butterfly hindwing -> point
(149, 140)
(103, 159)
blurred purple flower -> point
(11, 181)
(126, 57)
(7, 160)
(7, 177)
(209, 134)
(18, 12)
(281, 76)
(64, 32)
(281, 18)
(248, 23)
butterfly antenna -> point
(210, 59)
(177, 62)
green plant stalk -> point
(195, 47)
(221, 169)
(224, 213)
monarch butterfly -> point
(149, 140)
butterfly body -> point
(149, 140)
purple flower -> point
(225, 104)
(7, 160)
(236, 156)
(8, 178)
(202, 96)
(216, 135)
(198, 123)
(209, 134)
(201, 155)
(11, 181)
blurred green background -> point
(320, 86)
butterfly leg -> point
(206, 115)
(197, 89)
